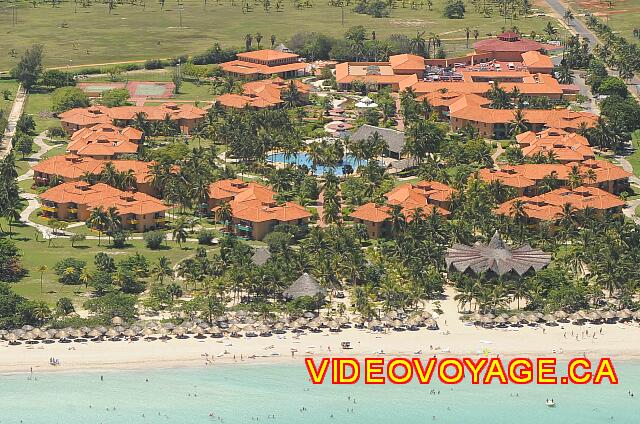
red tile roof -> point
(105, 196)
(548, 206)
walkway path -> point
(43, 148)
(16, 111)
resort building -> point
(479, 83)
(263, 94)
(380, 74)
(74, 201)
(104, 141)
(472, 110)
(186, 116)
(549, 206)
(394, 139)
(509, 47)
(427, 196)
(265, 63)
(526, 178)
(537, 62)
(254, 211)
(69, 168)
(563, 146)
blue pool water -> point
(302, 159)
(237, 393)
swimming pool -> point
(302, 159)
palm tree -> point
(224, 214)
(550, 30)
(42, 269)
(467, 32)
(109, 174)
(85, 277)
(162, 269)
(574, 178)
(258, 38)
(98, 220)
(568, 16)
(180, 231)
(11, 211)
(114, 221)
(174, 291)
(417, 43)
(519, 123)
(273, 40)
(248, 40)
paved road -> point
(35, 157)
(14, 115)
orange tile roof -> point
(348, 72)
(371, 212)
(525, 175)
(548, 206)
(506, 176)
(267, 55)
(407, 62)
(254, 202)
(410, 197)
(260, 94)
(535, 59)
(72, 167)
(105, 115)
(532, 85)
(568, 147)
(104, 140)
(105, 196)
(442, 98)
(250, 68)
(557, 118)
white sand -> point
(453, 339)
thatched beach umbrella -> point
(431, 324)
(593, 316)
(279, 327)
(111, 333)
(234, 329)
(342, 320)
(375, 324)
(26, 328)
(11, 338)
(514, 320)
(28, 336)
(625, 314)
(391, 315)
(61, 334)
(333, 326)
(3, 333)
(117, 321)
(609, 315)
(51, 333)
(500, 320)
(129, 333)
(102, 329)
(426, 314)
(264, 330)
(549, 318)
(560, 315)
(94, 334)
(309, 315)
(396, 323)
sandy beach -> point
(454, 338)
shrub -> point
(115, 97)
(120, 238)
(454, 9)
(64, 306)
(56, 132)
(205, 236)
(68, 270)
(67, 98)
(153, 64)
(153, 239)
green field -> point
(12, 86)
(38, 253)
(621, 15)
(77, 36)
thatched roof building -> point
(306, 285)
(261, 256)
(496, 257)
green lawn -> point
(622, 15)
(37, 253)
(12, 86)
(78, 36)
(634, 159)
(39, 105)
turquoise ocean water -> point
(246, 393)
